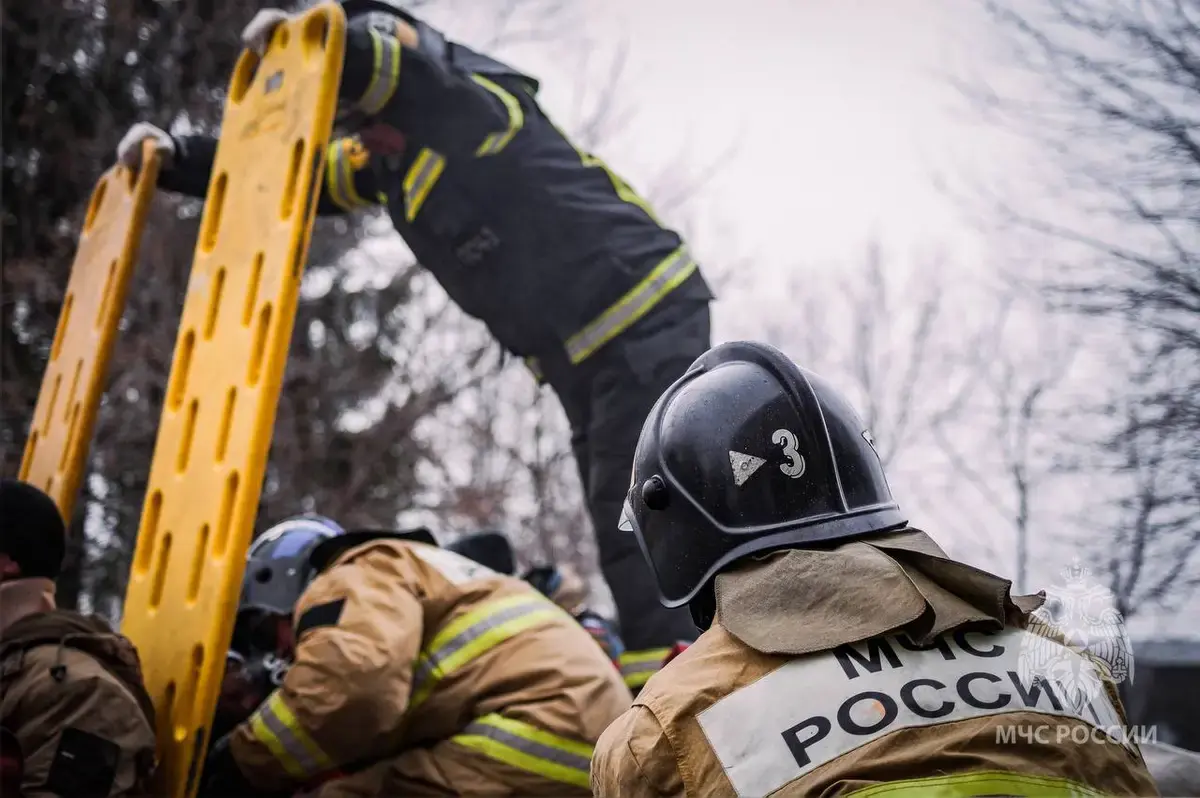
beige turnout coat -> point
(878, 668)
(420, 672)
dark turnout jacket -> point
(540, 240)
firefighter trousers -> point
(607, 399)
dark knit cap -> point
(32, 532)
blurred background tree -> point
(1109, 93)
(76, 76)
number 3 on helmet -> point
(744, 454)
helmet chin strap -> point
(704, 606)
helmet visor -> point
(626, 523)
(658, 535)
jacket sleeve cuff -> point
(191, 167)
(273, 749)
(440, 106)
(371, 73)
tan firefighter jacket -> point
(878, 668)
(71, 693)
(418, 671)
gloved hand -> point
(239, 696)
(604, 633)
(129, 151)
(258, 33)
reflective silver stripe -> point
(428, 667)
(638, 666)
(529, 748)
(668, 274)
(288, 739)
(385, 75)
(631, 668)
(424, 172)
(495, 142)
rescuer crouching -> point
(409, 670)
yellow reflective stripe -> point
(265, 736)
(473, 634)
(345, 158)
(635, 681)
(495, 142)
(529, 748)
(992, 782)
(332, 174)
(288, 718)
(651, 655)
(418, 182)
(535, 367)
(624, 191)
(385, 74)
(637, 302)
(638, 666)
(275, 726)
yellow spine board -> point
(228, 366)
(63, 421)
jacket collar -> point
(800, 601)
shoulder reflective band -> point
(346, 156)
(495, 142)
(275, 726)
(638, 666)
(665, 277)
(423, 173)
(991, 782)
(529, 748)
(474, 633)
(535, 368)
(385, 74)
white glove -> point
(258, 33)
(129, 151)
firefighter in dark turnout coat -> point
(565, 263)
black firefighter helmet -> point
(744, 454)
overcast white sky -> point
(834, 109)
